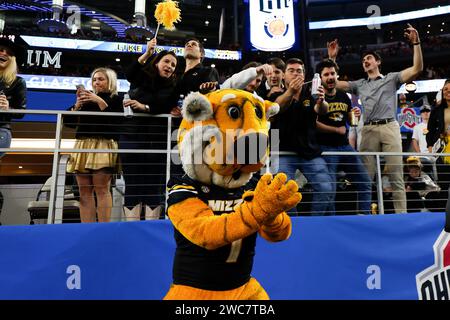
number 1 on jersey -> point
(235, 250)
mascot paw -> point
(273, 196)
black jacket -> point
(97, 126)
(192, 79)
(297, 128)
(17, 97)
(156, 92)
(436, 124)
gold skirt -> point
(86, 162)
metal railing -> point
(55, 209)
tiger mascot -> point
(217, 208)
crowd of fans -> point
(435, 44)
(388, 50)
(309, 124)
(348, 53)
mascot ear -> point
(272, 109)
(196, 107)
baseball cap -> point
(424, 108)
(16, 49)
(413, 162)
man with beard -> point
(332, 136)
(381, 131)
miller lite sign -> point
(272, 24)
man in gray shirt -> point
(381, 131)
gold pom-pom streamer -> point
(167, 13)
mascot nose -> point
(251, 148)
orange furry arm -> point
(197, 223)
(277, 230)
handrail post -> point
(51, 204)
(379, 186)
(169, 155)
(60, 188)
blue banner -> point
(56, 93)
(342, 257)
(57, 83)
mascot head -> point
(224, 136)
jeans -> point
(5, 139)
(316, 171)
(355, 171)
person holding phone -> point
(94, 170)
(381, 131)
(13, 89)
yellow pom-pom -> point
(167, 13)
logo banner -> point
(272, 26)
(373, 257)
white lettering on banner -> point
(272, 25)
(77, 44)
(38, 56)
(55, 61)
(65, 83)
(29, 56)
(374, 280)
(74, 280)
(129, 47)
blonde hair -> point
(9, 75)
(111, 77)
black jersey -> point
(339, 106)
(225, 268)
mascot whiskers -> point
(217, 208)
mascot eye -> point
(234, 112)
(258, 112)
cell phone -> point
(80, 87)
(2, 93)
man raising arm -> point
(406, 75)
(381, 132)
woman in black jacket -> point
(13, 89)
(94, 170)
(439, 128)
(152, 84)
